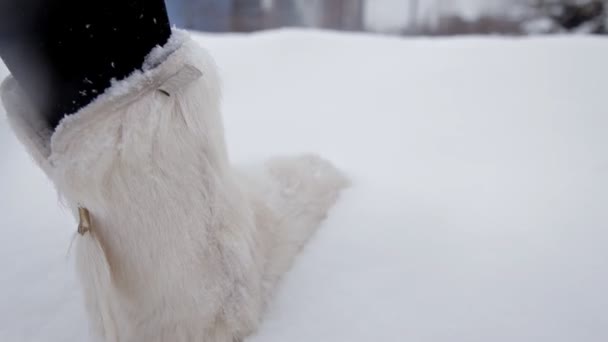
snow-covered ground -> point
(479, 209)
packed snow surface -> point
(479, 205)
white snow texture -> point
(478, 210)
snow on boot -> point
(175, 244)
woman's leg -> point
(65, 53)
(174, 244)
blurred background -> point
(399, 17)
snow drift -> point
(478, 210)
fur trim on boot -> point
(181, 246)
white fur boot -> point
(182, 247)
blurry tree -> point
(204, 15)
(248, 15)
(413, 15)
(584, 16)
(282, 13)
(342, 14)
(333, 14)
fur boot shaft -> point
(183, 247)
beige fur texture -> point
(184, 247)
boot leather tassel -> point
(85, 225)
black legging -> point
(65, 52)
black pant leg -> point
(64, 53)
